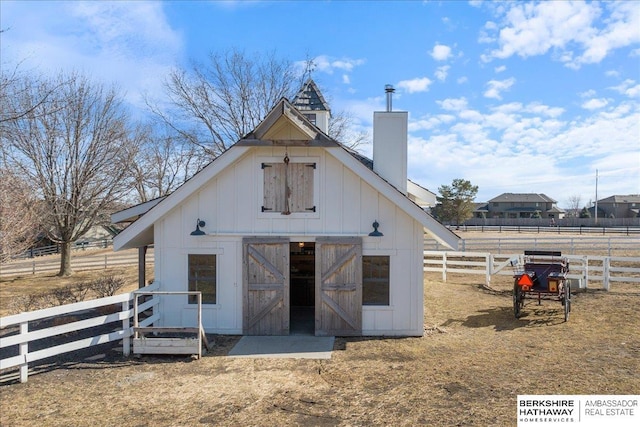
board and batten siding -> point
(230, 204)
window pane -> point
(375, 280)
(202, 277)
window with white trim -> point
(202, 277)
(375, 280)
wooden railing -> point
(18, 331)
(586, 269)
(55, 249)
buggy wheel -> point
(566, 300)
(518, 300)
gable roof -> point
(282, 122)
(631, 198)
(522, 198)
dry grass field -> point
(472, 362)
(467, 369)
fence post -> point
(126, 341)
(606, 264)
(489, 269)
(444, 266)
(105, 261)
(585, 263)
(24, 351)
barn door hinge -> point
(265, 165)
(313, 209)
(266, 209)
(311, 165)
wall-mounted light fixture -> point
(375, 232)
(197, 231)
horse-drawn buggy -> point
(542, 274)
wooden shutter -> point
(274, 199)
(266, 286)
(288, 188)
(339, 286)
(301, 187)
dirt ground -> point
(467, 369)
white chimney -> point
(390, 135)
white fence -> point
(567, 244)
(619, 226)
(585, 268)
(79, 263)
(50, 322)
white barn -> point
(290, 232)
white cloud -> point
(569, 30)
(485, 146)
(587, 94)
(420, 84)
(327, 64)
(441, 52)
(471, 115)
(595, 104)
(442, 72)
(453, 104)
(622, 29)
(500, 69)
(495, 87)
(462, 80)
(346, 79)
(430, 122)
(485, 33)
(129, 43)
(543, 110)
(628, 87)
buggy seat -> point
(544, 265)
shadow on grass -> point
(110, 356)
(503, 319)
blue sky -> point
(512, 96)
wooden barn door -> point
(265, 286)
(339, 286)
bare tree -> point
(74, 148)
(163, 163)
(15, 83)
(18, 214)
(574, 205)
(214, 104)
(342, 130)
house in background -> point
(520, 205)
(290, 232)
(618, 207)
